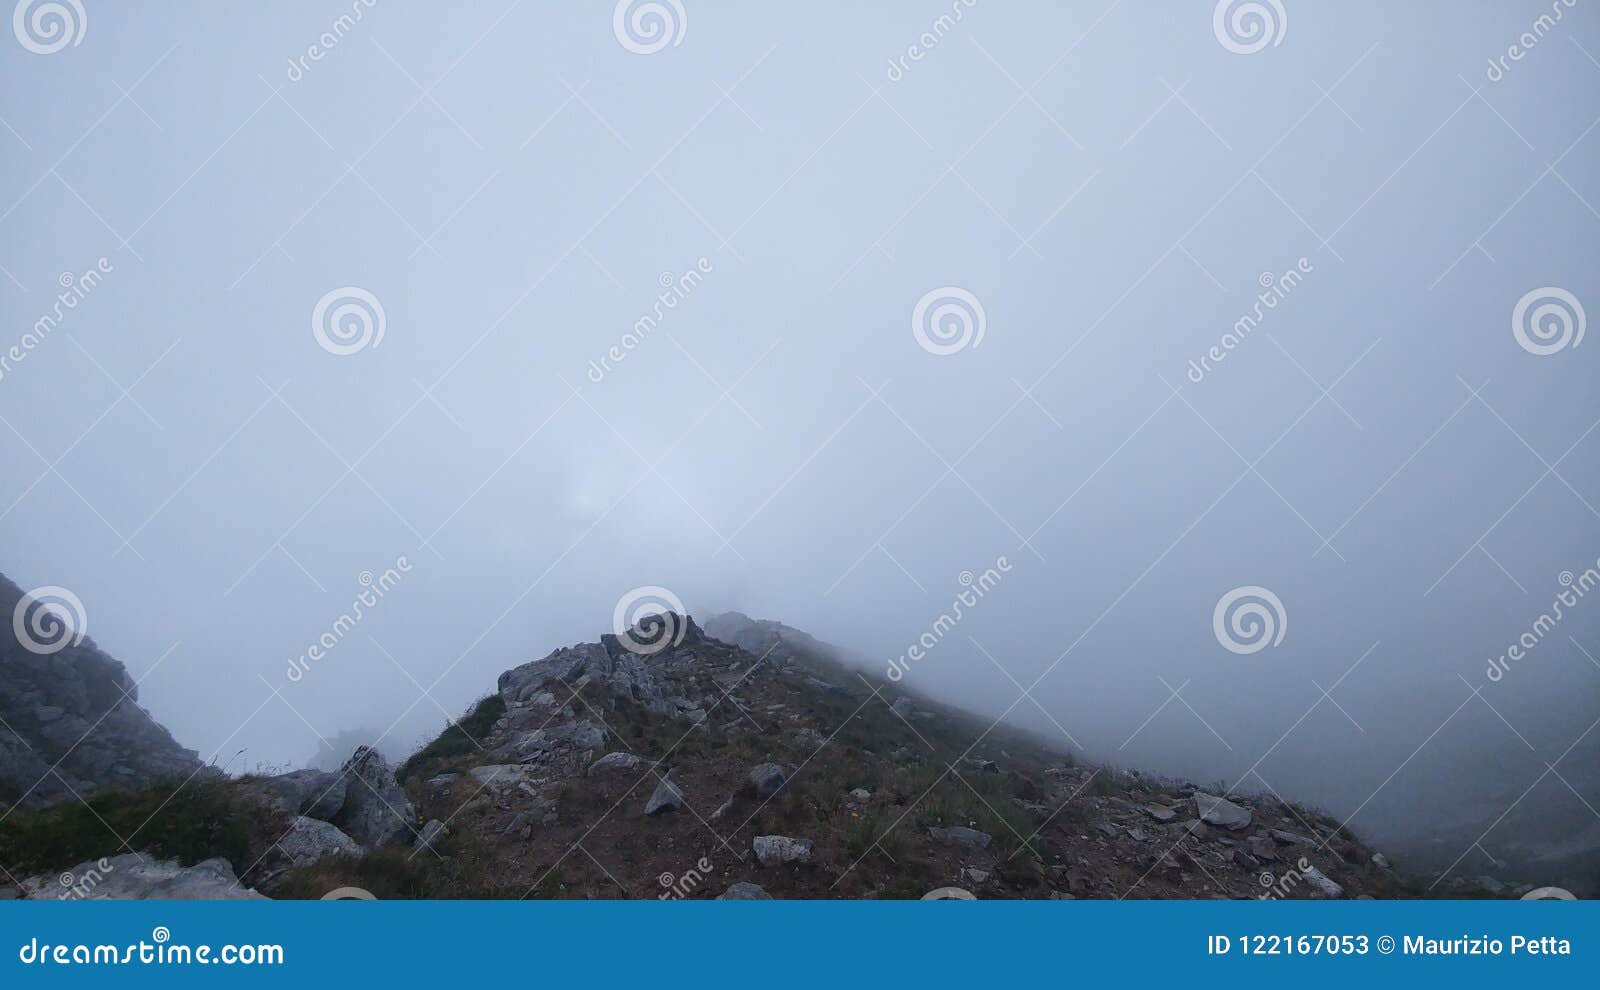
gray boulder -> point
(1160, 812)
(310, 839)
(431, 833)
(138, 877)
(376, 811)
(667, 797)
(768, 780)
(313, 793)
(1221, 812)
(776, 850)
(614, 761)
(960, 835)
(1321, 886)
(744, 891)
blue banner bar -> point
(812, 944)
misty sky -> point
(1109, 181)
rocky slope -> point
(70, 721)
(740, 761)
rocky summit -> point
(742, 760)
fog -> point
(777, 189)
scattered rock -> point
(983, 766)
(776, 850)
(975, 876)
(614, 761)
(1321, 886)
(1138, 835)
(960, 835)
(1380, 861)
(139, 877)
(1107, 829)
(667, 797)
(744, 891)
(1160, 812)
(1262, 847)
(768, 780)
(1244, 859)
(1283, 838)
(1221, 812)
(1195, 828)
(722, 809)
(901, 707)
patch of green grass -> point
(190, 822)
(458, 738)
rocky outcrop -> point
(72, 713)
(376, 812)
(138, 877)
(313, 793)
